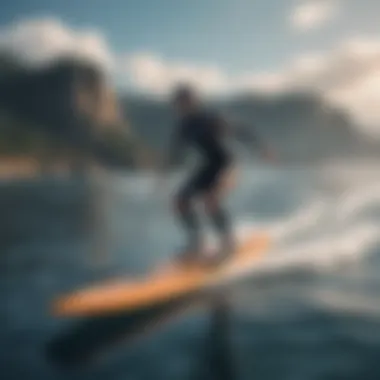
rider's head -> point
(185, 98)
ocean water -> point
(308, 309)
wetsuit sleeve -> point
(221, 126)
(246, 134)
(240, 132)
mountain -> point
(70, 107)
(301, 127)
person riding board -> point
(207, 132)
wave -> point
(325, 231)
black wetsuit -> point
(205, 132)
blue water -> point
(309, 309)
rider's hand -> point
(269, 155)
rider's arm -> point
(247, 135)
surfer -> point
(208, 133)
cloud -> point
(347, 77)
(313, 14)
(39, 41)
(153, 74)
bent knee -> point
(211, 203)
(181, 204)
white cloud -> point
(153, 74)
(39, 41)
(313, 14)
(347, 76)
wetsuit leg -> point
(187, 214)
(205, 182)
(221, 221)
(219, 216)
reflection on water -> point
(216, 359)
(95, 337)
(87, 342)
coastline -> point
(29, 167)
(19, 168)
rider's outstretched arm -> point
(248, 136)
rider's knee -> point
(181, 204)
(211, 204)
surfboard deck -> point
(157, 287)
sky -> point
(221, 46)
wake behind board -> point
(158, 287)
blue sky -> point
(328, 46)
(237, 34)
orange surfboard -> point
(158, 287)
